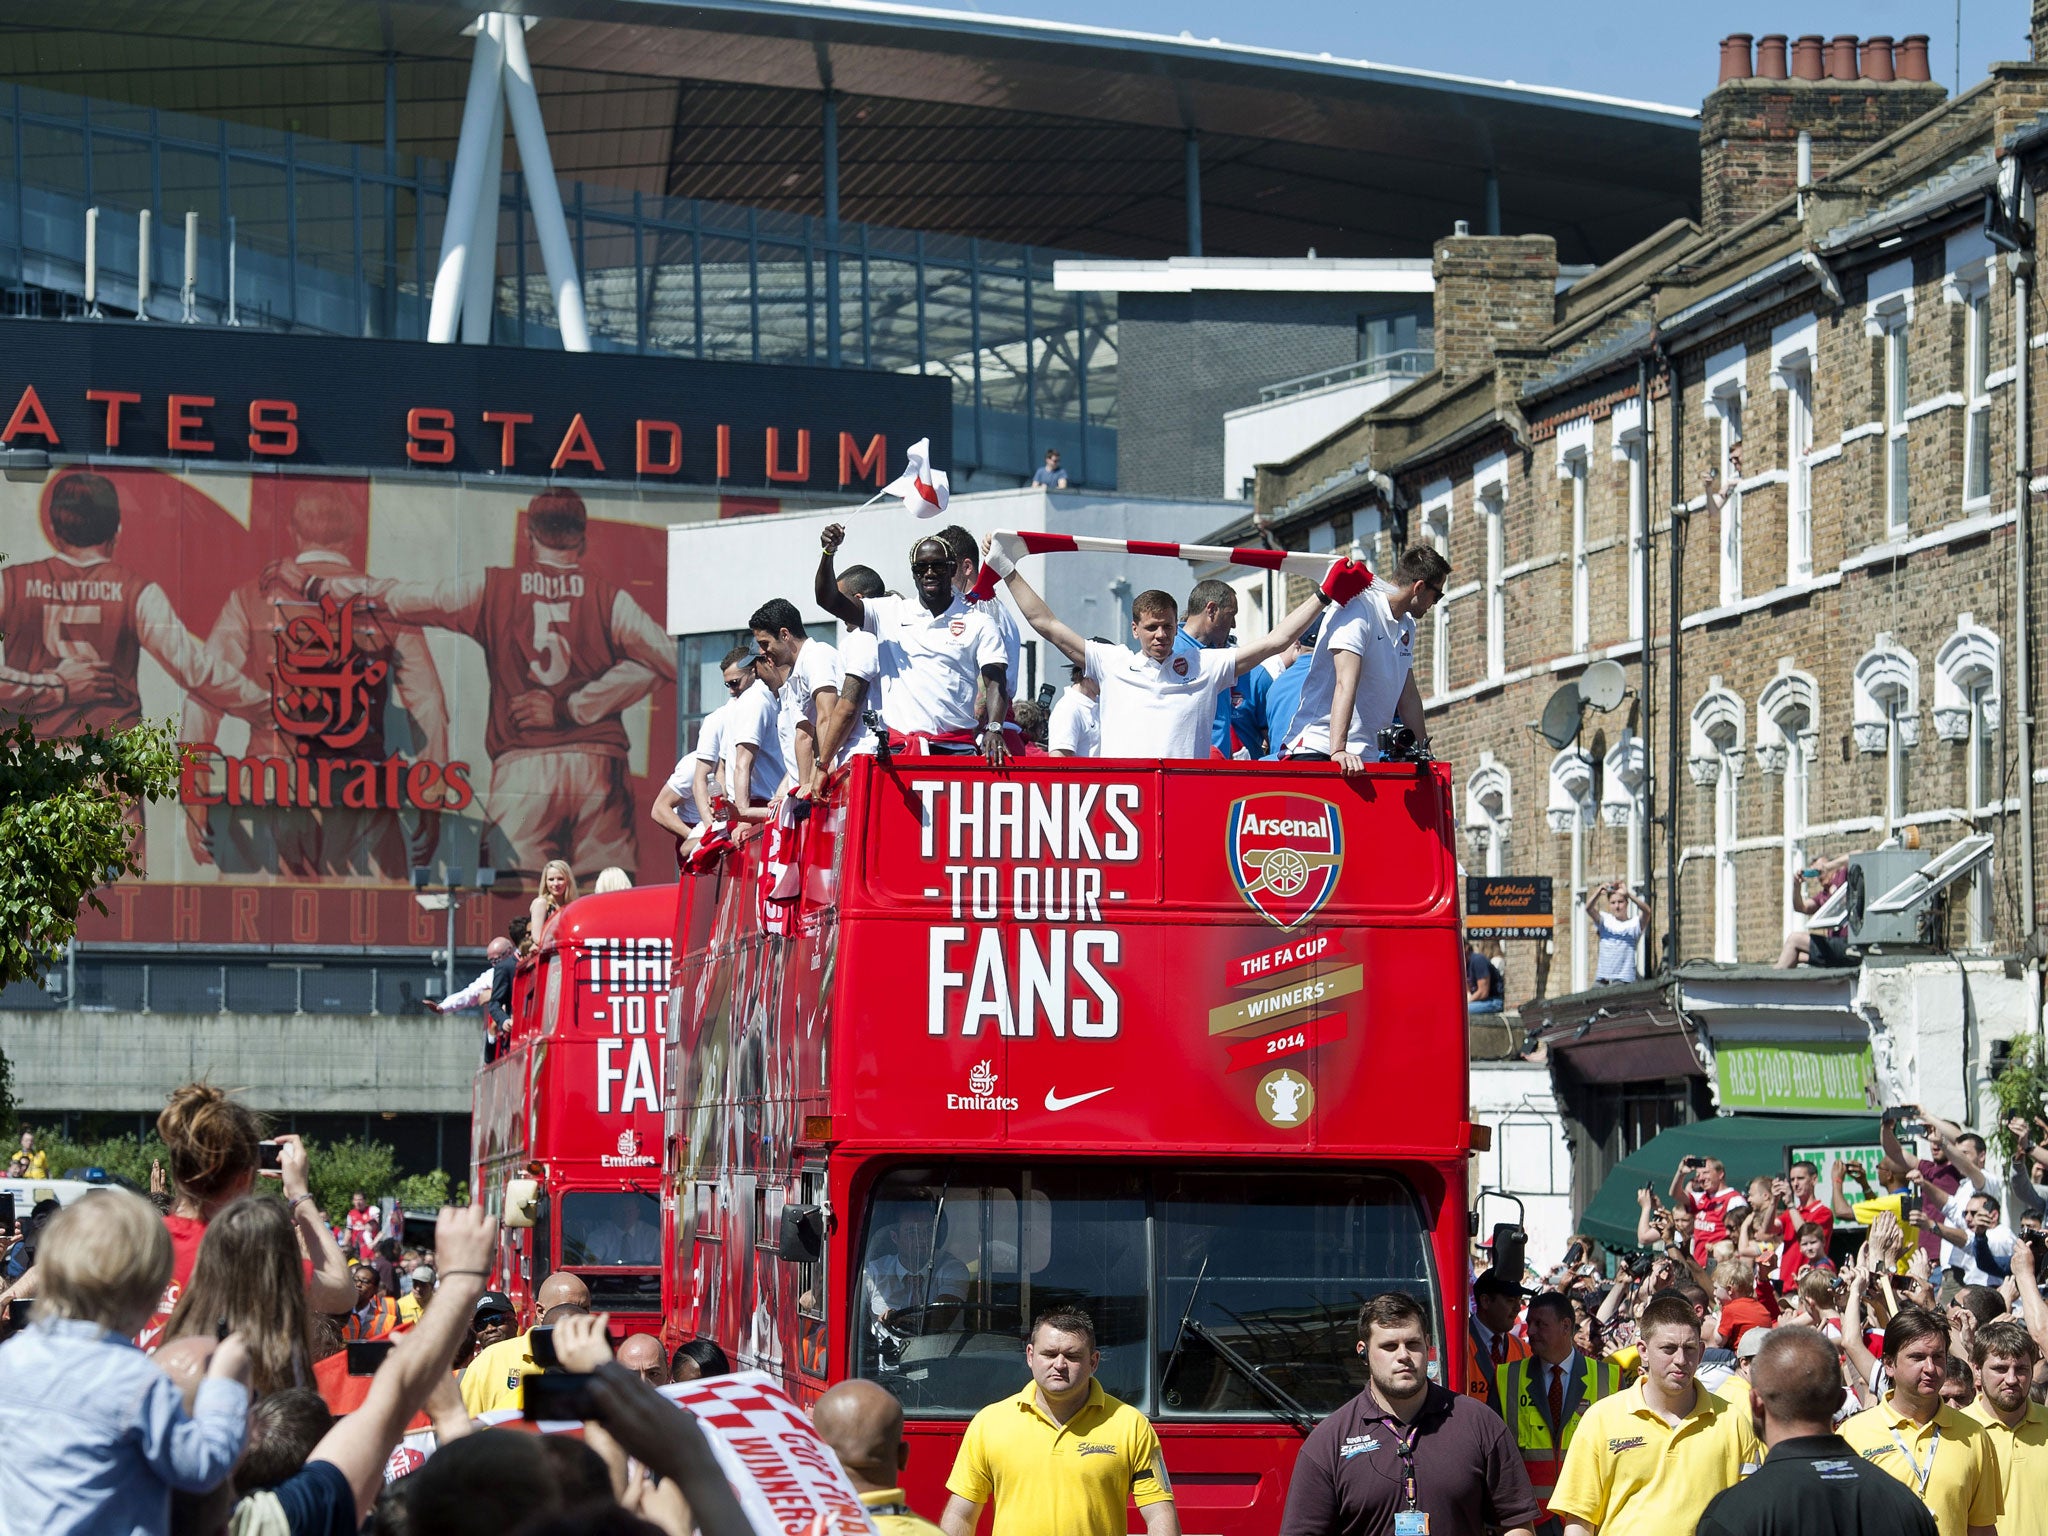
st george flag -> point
(923, 490)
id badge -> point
(1411, 1522)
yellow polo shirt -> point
(2022, 1466)
(495, 1378)
(893, 1516)
(1048, 1479)
(1631, 1472)
(1963, 1488)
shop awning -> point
(1751, 1145)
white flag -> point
(923, 489)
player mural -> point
(367, 676)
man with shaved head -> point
(1812, 1483)
(496, 1377)
(642, 1353)
(863, 1423)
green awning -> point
(1752, 1146)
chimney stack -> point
(1752, 124)
(1492, 292)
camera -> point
(1638, 1262)
(1397, 744)
(559, 1397)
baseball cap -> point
(1751, 1344)
(1493, 1283)
(494, 1301)
(423, 1274)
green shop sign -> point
(1813, 1075)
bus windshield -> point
(1201, 1284)
(610, 1228)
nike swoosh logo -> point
(1055, 1103)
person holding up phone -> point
(1701, 1185)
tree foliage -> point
(65, 830)
(2021, 1089)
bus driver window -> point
(911, 1285)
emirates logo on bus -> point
(1286, 852)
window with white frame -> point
(1787, 733)
(1888, 320)
(1727, 394)
(1490, 492)
(1489, 812)
(1967, 670)
(1574, 445)
(1885, 706)
(1627, 423)
(1436, 529)
(1715, 762)
(1793, 345)
(1967, 282)
(1571, 812)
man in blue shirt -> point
(1283, 695)
(1209, 618)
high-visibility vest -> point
(1523, 1399)
(382, 1320)
(1479, 1367)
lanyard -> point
(1404, 1444)
(1921, 1475)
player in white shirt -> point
(1075, 729)
(811, 692)
(684, 806)
(842, 734)
(1362, 670)
(943, 669)
(1156, 704)
(966, 572)
(755, 772)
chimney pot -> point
(1877, 59)
(1809, 57)
(1770, 56)
(1842, 57)
(1735, 56)
(1912, 58)
(1461, 229)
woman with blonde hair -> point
(611, 878)
(248, 1276)
(557, 889)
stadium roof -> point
(1017, 130)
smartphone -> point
(7, 1210)
(365, 1355)
(560, 1395)
(17, 1311)
(267, 1154)
(540, 1343)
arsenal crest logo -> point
(1286, 852)
(958, 628)
(1180, 666)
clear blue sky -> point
(1653, 50)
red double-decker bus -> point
(565, 1125)
(1180, 1044)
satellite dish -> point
(1604, 684)
(1561, 718)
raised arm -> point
(1888, 1142)
(360, 1443)
(1036, 613)
(847, 610)
(331, 1290)
(1282, 635)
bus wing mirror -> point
(802, 1239)
(522, 1198)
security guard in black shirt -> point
(1812, 1483)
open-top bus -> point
(1181, 1044)
(568, 1118)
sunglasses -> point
(737, 684)
(930, 565)
(490, 1320)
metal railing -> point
(236, 983)
(1409, 363)
(303, 234)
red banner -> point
(1290, 1041)
(1247, 969)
